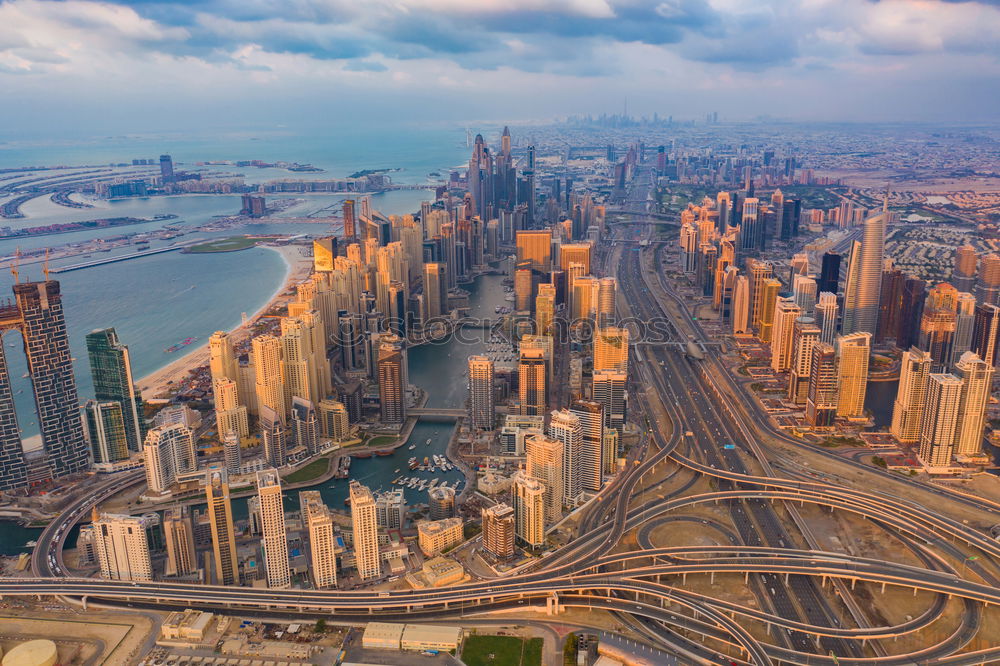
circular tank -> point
(32, 653)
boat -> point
(171, 349)
(411, 447)
(31, 544)
(426, 461)
(384, 452)
(428, 441)
(396, 472)
(362, 454)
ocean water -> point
(159, 300)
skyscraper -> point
(937, 323)
(977, 380)
(769, 290)
(322, 541)
(112, 374)
(939, 426)
(611, 349)
(364, 522)
(546, 460)
(179, 539)
(805, 335)
(911, 397)
(852, 374)
(274, 436)
(821, 403)
(826, 316)
(741, 306)
(230, 416)
(785, 314)
(529, 510)
(122, 547)
(272, 522)
(590, 467)
(829, 277)
(861, 305)
(266, 354)
(392, 378)
(985, 332)
(964, 274)
(481, 412)
(988, 279)
(535, 246)
(168, 451)
(531, 380)
(305, 425)
(221, 359)
(965, 318)
(166, 169)
(609, 389)
(498, 531)
(220, 516)
(106, 431)
(545, 309)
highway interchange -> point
(701, 426)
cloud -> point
(543, 54)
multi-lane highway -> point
(692, 430)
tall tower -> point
(220, 516)
(322, 541)
(741, 305)
(112, 374)
(364, 521)
(481, 411)
(392, 379)
(221, 358)
(609, 389)
(986, 331)
(266, 353)
(911, 397)
(805, 335)
(535, 246)
(852, 367)
(785, 314)
(988, 279)
(821, 403)
(122, 547)
(964, 274)
(179, 538)
(168, 451)
(272, 522)
(529, 510)
(977, 380)
(565, 427)
(531, 379)
(498, 531)
(861, 306)
(611, 350)
(591, 463)
(545, 309)
(826, 316)
(50, 365)
(546, 462)
(230, 416)
(939, 425)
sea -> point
(158, 301)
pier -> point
(122, 257)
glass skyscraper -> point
(112, 373)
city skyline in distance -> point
(215, 64)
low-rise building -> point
(187, 626)
(436, 536)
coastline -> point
(297, 268)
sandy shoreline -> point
(298, 266)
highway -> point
(690, 416)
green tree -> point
(320, 627)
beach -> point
(298, 264)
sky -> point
(153, 65)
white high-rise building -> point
(167, 451)
(852, 371)
(274, 536)
(805, 335)
(826, 317)
(122, 547)
(939, 425)
(911, 397)
(977, 380)
(364, 521)
(322, 541)
(785, 313)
